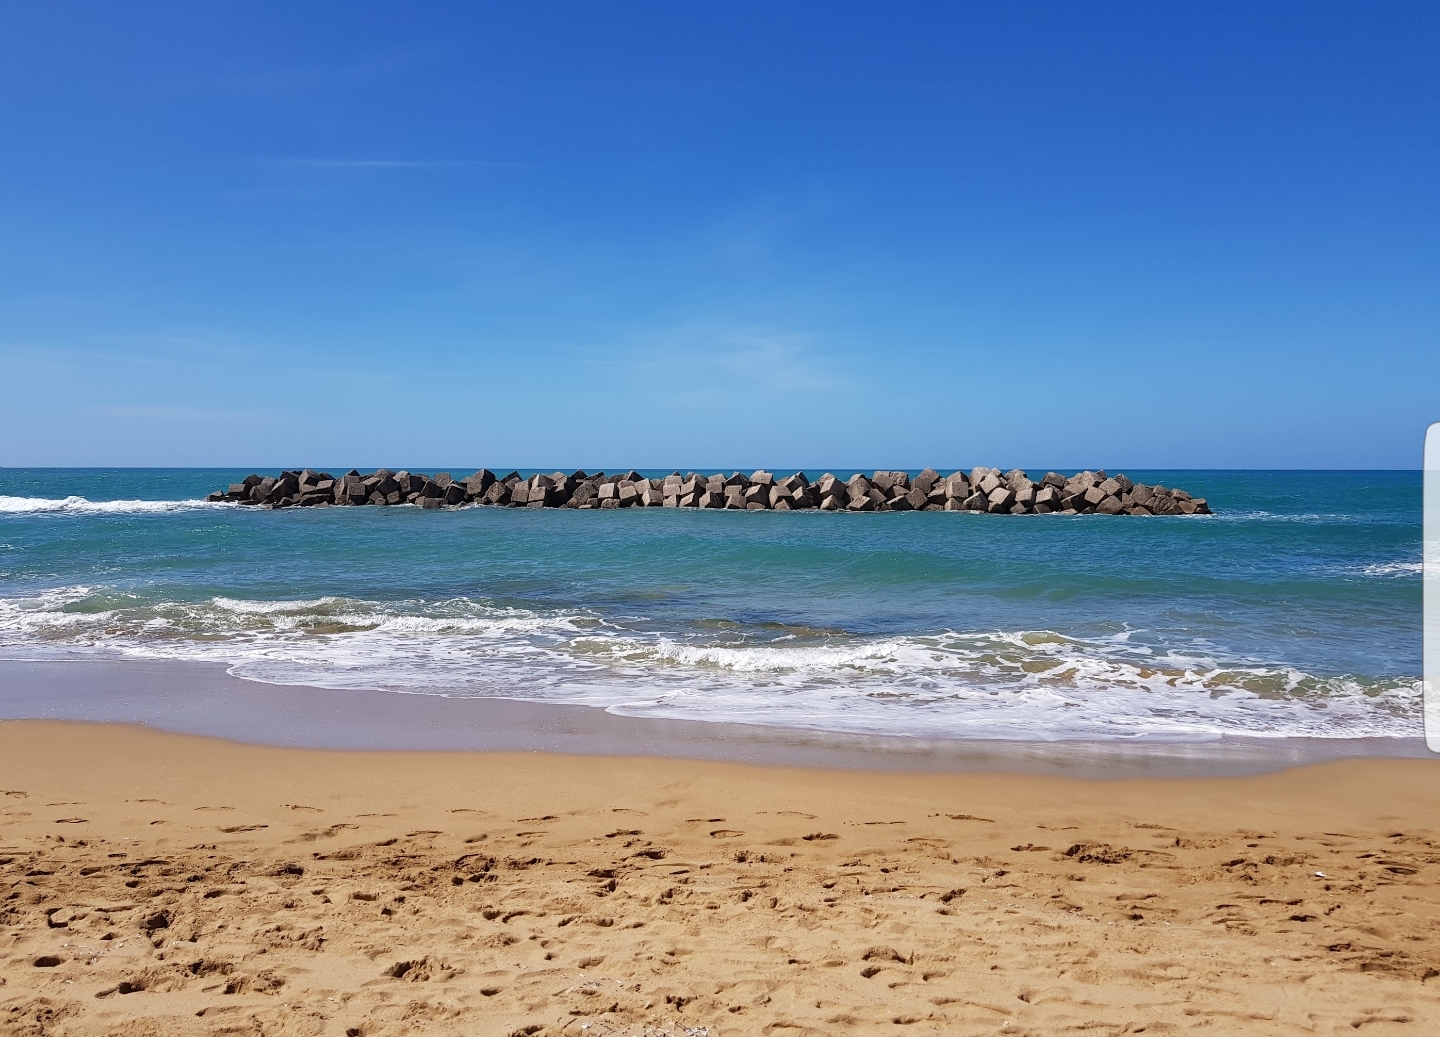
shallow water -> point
(1294, 611)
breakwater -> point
(980, 489)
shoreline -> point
(178, 884)
(197, 698)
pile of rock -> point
(980, 489)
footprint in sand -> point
(324, 833)
(725, 833)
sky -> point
(714, 236)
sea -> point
(1294, 611)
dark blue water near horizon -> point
(1293, 611)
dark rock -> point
(1163, 504)
(999, 499)
(983, 489)
(477, 484)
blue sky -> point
(727, 235)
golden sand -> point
(165, 884)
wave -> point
(999, 684)
(82, 506)
(1416, 568)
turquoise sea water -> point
(1293, 611)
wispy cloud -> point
(780, 361)
(757, 357)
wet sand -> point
(159, 883)
(203, 699)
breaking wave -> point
(1032, 684)
(81, 506)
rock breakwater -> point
(980, 489)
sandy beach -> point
(158, 883)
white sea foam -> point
(1415, 568)
(997, 684)
(81, 506)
